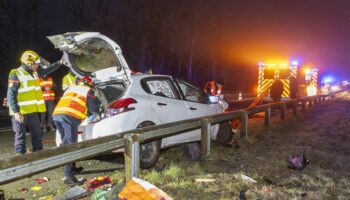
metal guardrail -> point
(16, 168)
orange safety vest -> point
(212, 88)
(48, 83)
(73, 102)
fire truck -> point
(311, 76)
(301, 87)
(284, 72)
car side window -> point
(161, 88)
(192, 94)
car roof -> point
(141, 76)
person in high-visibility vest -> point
(25, 99)
(47, 86)
(213, 88)
(68, 81)
(276, 90)
(74, 106)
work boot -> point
(73, 181)
(78, 170)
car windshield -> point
(93, 55)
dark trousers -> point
(33, 123)
(46, 117)
(68, 128)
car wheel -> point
(149, 152)
(225, 134)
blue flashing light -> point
(294, 62)
(327, 80)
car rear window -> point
(160, 86)
(93, 55)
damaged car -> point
(130, 101)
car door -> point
(167, 104)
(198, 104)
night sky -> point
(197, 40)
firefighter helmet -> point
(85, 80)
(30, 57)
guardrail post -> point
(205, 138)
(132, 156)
(267, 116)
(244, 123)
(303, 104)
(294, 107)
(319, 99)
(283, 108)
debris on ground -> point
(242, 195)
(247, 179)
(266, 189)
(75, 192)
(99, 194)
(23, 190)
(138, 189)
(297, 162)
(42, 180)
(36, 188)
(98, 182)
(205, 180)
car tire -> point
(225, 134)
(149, 152)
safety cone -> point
(240, 96)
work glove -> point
(93, 118)
(19, 117)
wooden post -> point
(267, 116)
(132, 156)
(283, 108)
(205, 138)
(244, 123)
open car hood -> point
(92, 54)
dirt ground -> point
(322, 132)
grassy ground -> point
(322, 132)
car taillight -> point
(120, 106)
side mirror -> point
(213, 99)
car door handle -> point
(161, 104)
(191, 108)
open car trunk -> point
(108, 92)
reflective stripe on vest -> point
(73, 102)
(30, 98)
(68, 81)
(47, 94)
